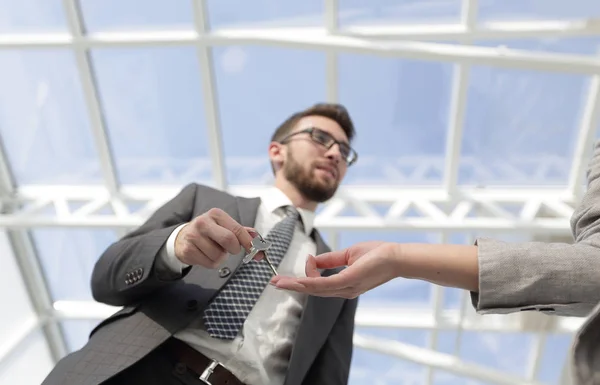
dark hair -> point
(335, 112)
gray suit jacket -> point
(552, 278)
(155, 307)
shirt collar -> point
(273, 198)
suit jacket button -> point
(224, 272)
(180, 368)
(192, 305)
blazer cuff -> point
(515, 277)
(168, 266)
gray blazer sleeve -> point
(554, 278)
(130, 268)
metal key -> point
(270, 264)
(258, 244)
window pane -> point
(506, 352)
(414, 337)
(538, 9)
(68, 257)
(29, 364)
(109, 15)
(520, 127)
(13, 293)
(259, 88)
(77, 332)
(400, 110)
(368, 366)
(353, 12)
(152, 98)
(32, 16)
(445, 378)
(44, 125)
(264, 13)
(556, 354)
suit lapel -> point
(318, 318)
(247, 209)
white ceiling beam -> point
(536, 354)
(374, 193)
(35, 281)
(436, 210)
(503, 226)
(27, 260)
(331, 59)
(7, 181)
(390, 317)
(490, 30)
(458, 105)
(437, 360)
(92, 97)
(210, 97)
(460, 84)
(17, 337)
(320, 40)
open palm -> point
(369, 265)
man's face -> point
(312, 168)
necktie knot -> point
(292, 213)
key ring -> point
(258, 244)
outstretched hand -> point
(370, 264)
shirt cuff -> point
(168, 252)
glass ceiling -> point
(519, 128)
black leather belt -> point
(209, 371)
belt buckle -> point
(208, 372)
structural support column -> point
(209, 94)
(91, 95)
(31, 271)
(332, 73)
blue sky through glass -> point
(520, 129)
(370, 12)
(159, 135)
(510, 10)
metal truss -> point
(444, 208)
(353, 208)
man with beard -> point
(194, 312)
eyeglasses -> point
(327, 140)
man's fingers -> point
(211, 249)
(242, 236)
(193, 255)
(252, 231)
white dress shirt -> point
(261, 353)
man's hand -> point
(370, 264)
(210, 237)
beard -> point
(306, 182)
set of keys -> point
(260, 244)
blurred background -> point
(474, 118)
